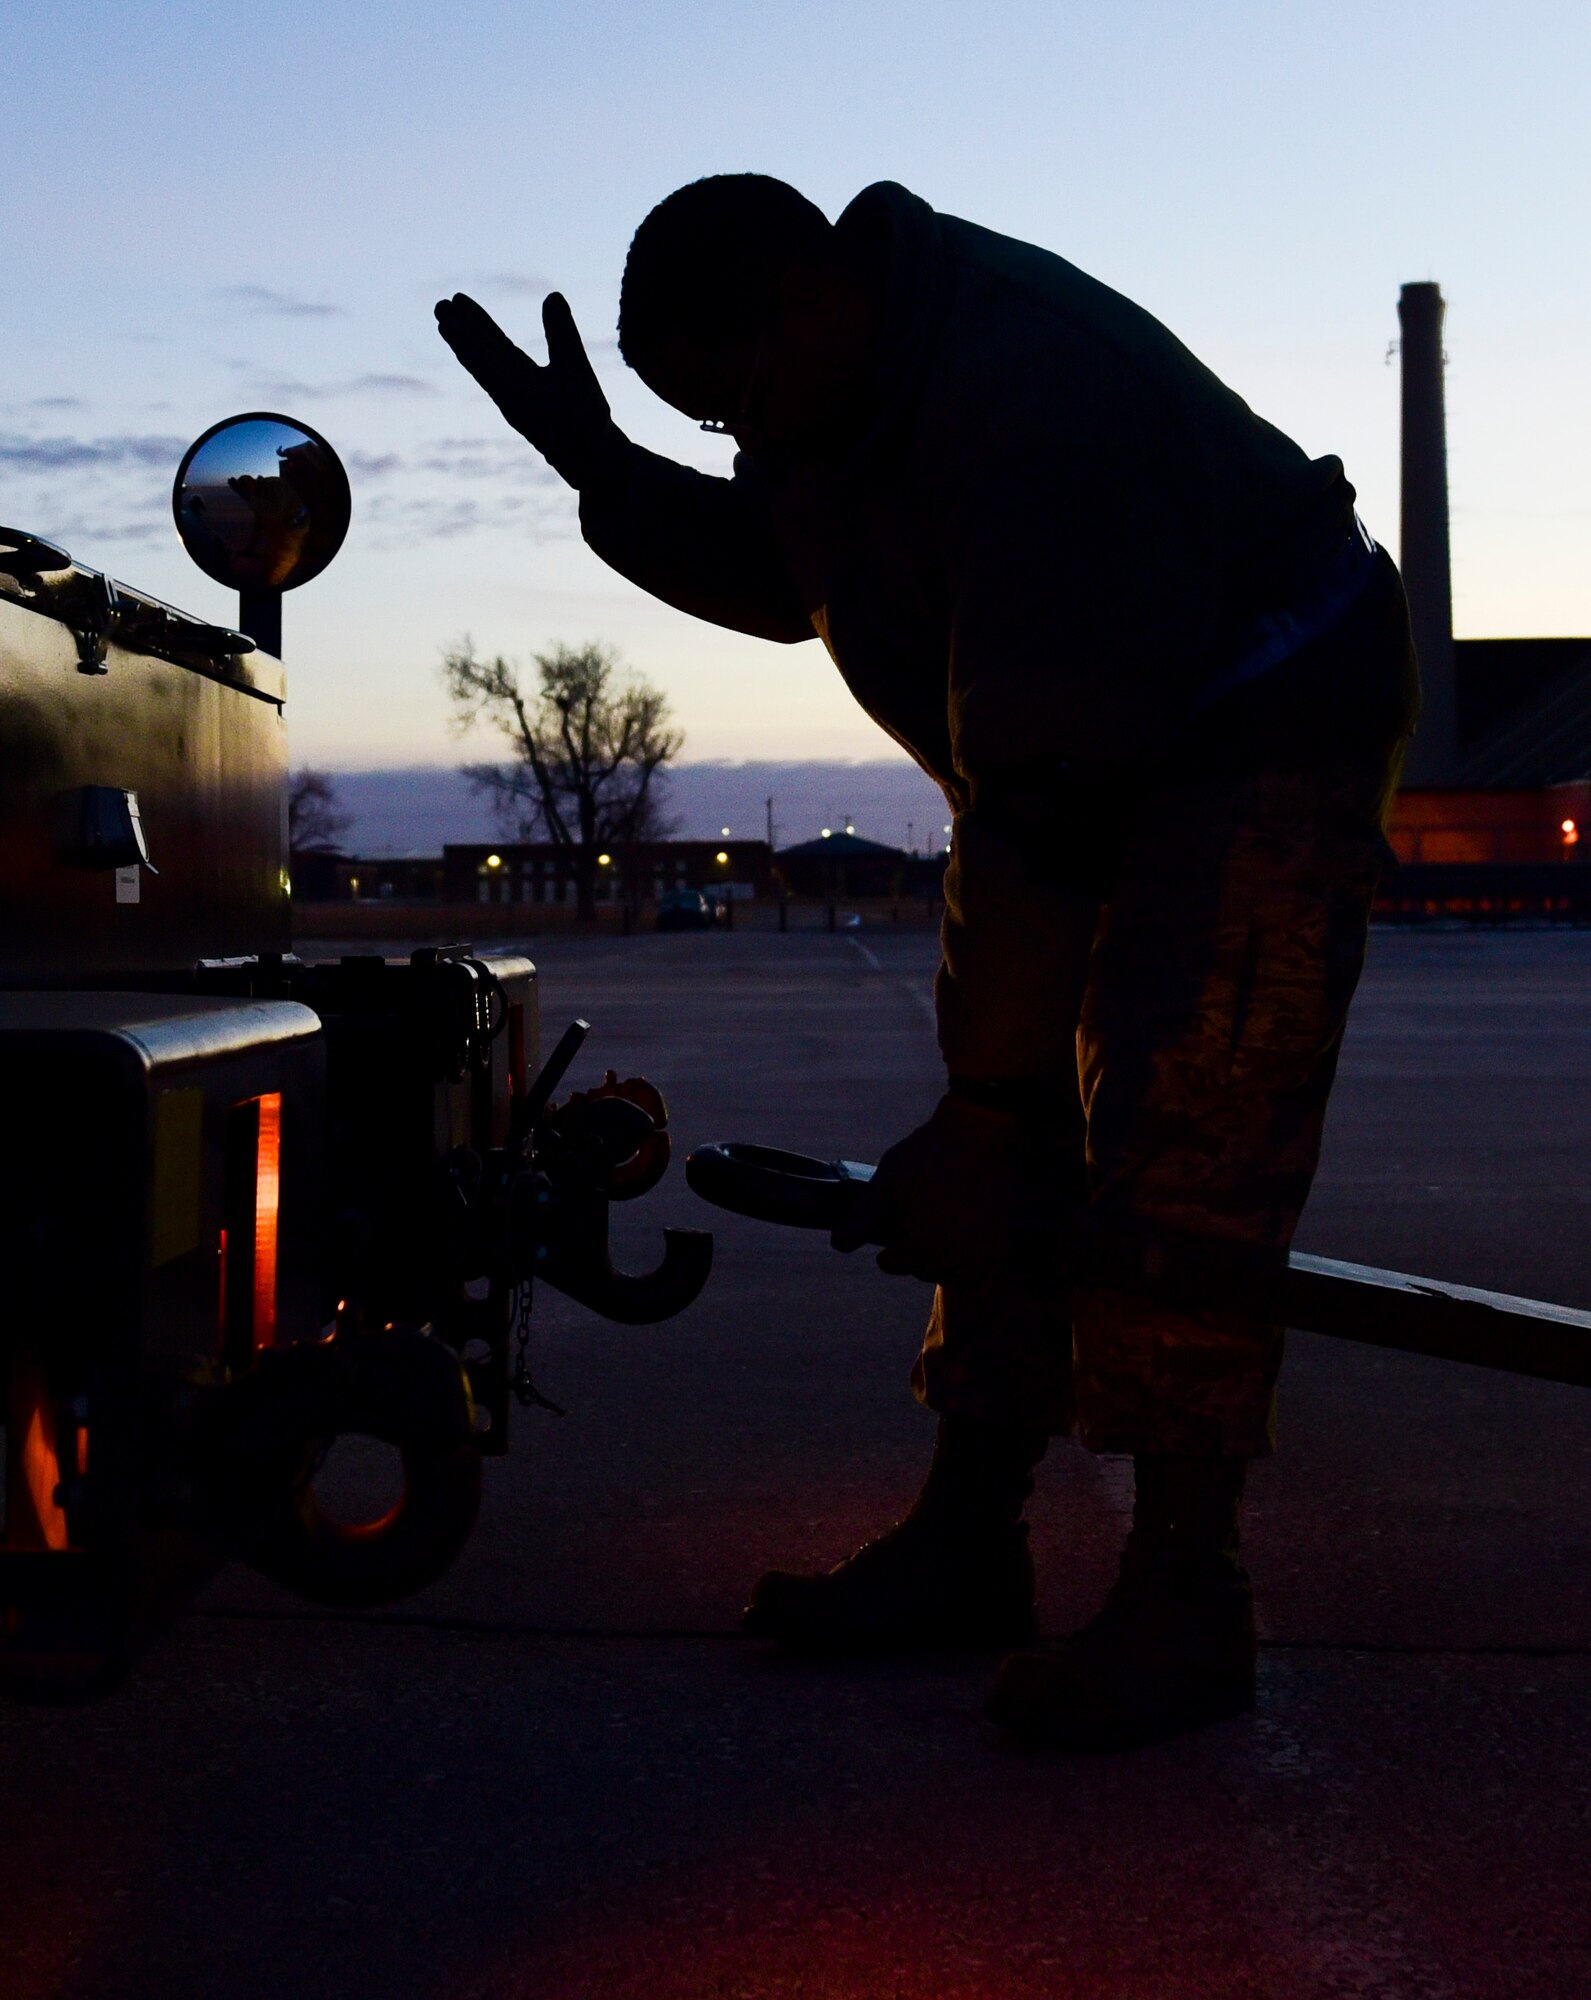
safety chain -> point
(528, 1396)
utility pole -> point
(770, 825)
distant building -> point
(842, 864)
(537, 871)
(1523, 711)
(322, 875)
(314, 874)
(1549, 823)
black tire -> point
(401, 1387)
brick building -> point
(1512, 826)
(536, 871)
(322, 875)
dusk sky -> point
(212, 209)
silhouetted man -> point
(1164, 679)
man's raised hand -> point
(557, 405)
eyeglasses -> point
(722, 426)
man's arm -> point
(704, 545)
(945, 1200)
(1016, 941)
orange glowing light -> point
(41, 1474)
(267, 1200)
(1571, 833)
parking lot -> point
(559, 1773)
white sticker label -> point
(127, 884)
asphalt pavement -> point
(560, 1773)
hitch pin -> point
(537, 1097)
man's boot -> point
(1174, 1646)
(955, 1572)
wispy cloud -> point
(290, 389)
(263, 302)
(413, 522)
(74, 454)
(104, 490)
(499, 457)
(57, 403)
(388, 385)
(522, 284)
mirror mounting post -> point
(260, 618)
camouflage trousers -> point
(1219, 980)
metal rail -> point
(1316, 1294)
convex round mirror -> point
(262, 502)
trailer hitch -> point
(636, 1298)
(557, 1214)
(538, 1207)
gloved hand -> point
(942, 1202)
(558, 406)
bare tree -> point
(315, 821)
(590, 741)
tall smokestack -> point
(1427, 560)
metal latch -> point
(106, 829)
